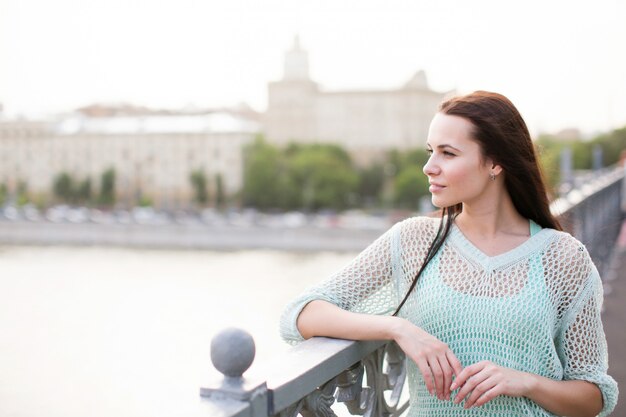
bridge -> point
(368, 377)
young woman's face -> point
(456, 169)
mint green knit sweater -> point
(535, 308)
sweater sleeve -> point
(364, 285)
(583, 343)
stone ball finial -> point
(232, 351)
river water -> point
(114, 332)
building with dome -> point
(365, 122)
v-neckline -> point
(472, 252)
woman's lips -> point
(433, 188)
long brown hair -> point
(503, 137)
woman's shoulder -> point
(418, 228)
(567, 261)
(419, 223)
(565, 246)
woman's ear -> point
(496, 169)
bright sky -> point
(562, 62)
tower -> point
(291, 110)
(296, 65)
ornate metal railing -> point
(368, 377)
(592, 213)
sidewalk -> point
(614, 319)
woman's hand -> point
(484, 381)
(434, 359)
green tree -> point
(371, 182)
(145, 201)
(549, 155)
(549, 161)
(66, 189)
(549, 151)
(582, 154)
(63, 187)
(83, 191)
(4, 192)
(22, 193)
(415, 158)
(322, 176)
(409, 185)
(199, 184)
(612, 144)
(407, 182)
(107, 188)
(307, 177)
(264, 178)
(220, 195)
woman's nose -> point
(430, 167)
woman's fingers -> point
(454, 362)
(463, 376)
(459, 380)
(482, 382)
(489, 395)
(469, 379)
(447, 377)
(456, 369)
(479, 390)
(442, 367)
(438, 376)
(434, 359)
(426, 374)
(469, 387)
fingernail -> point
(453, 386)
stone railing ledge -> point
(232, 353)
(304, 378)
(226, 408)
(308, 365)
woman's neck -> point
(490, 219)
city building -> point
(365, 122)
(152, 154)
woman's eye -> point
(446, 153)
(429, 151)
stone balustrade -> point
(368, 377)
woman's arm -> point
(566, 398)
(321, 318)
(484, 381)
(364, 285)
(435, 360)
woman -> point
(496, 308)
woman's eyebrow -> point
(443, 146)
